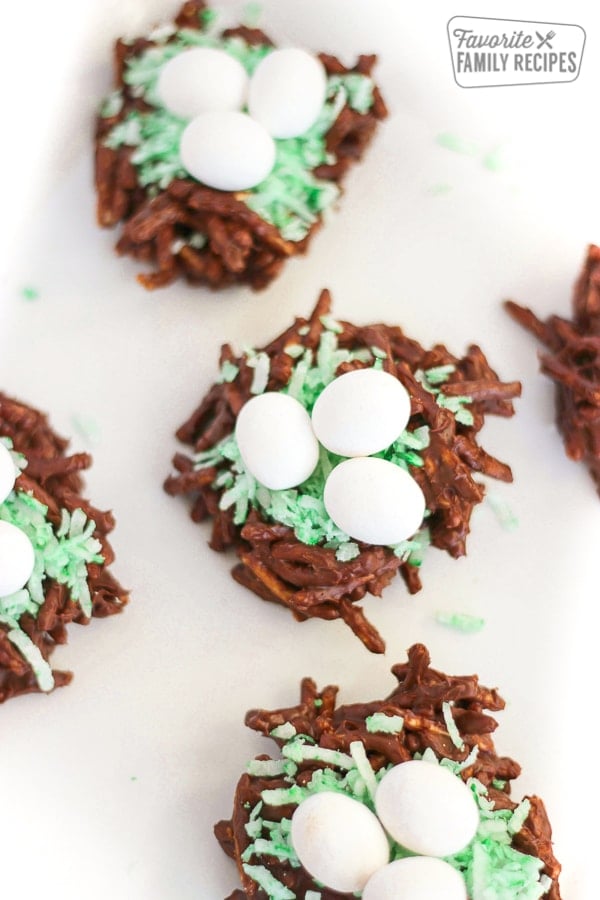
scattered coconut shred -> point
(290, 550)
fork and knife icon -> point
(545, 41)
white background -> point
(111, 786)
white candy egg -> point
(338, 841)
(200, 80)
(276, 441)
(7, 473)
(227, 150)
(416, 878)
(361, 412)
(374, 500)
(426, 808)
(16, 559)
(287, 92)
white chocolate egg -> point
(374, 500)
(426, 808)
(200, 80)
(416, 878)
(361, 412)
(338, 841)
(276, 441)
(7, 473)
(17, 559)
(228, 151)
(287, 92)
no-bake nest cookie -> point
(71, 580)
(184, 229)
(572, 360)
(289, 550)
(324, 747)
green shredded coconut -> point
(209, 17)
(87, 428)
(40, 667)
(294, 350)
(284, 732)
(254, 825)
(298, 751)
(363, 767)
(251, 14)
(491, 159)
(453, 731)
(413, 550)
(261, 364)
(504, 514)
(494, 160)
(196, 240)
(347, 551)
(284, 796)
(156, 136)
(18, 459)
(162, 33)
(519, 817)
(61, 554)
(271, 768)
(439, 374)
(30, 293)
(431, 381)
(457, 144)
(292, 198)
(273, 848)
(465, 764)
(274, 888)
(378, 353)
(455, 405)
(464, 622)
(112, 105)
(358, 89)
(331, 324)
(229, 372)
(384, 724)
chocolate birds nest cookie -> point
(572, 360)
(54, 551)
(398, 798)
(219, 154)
(332, 456)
